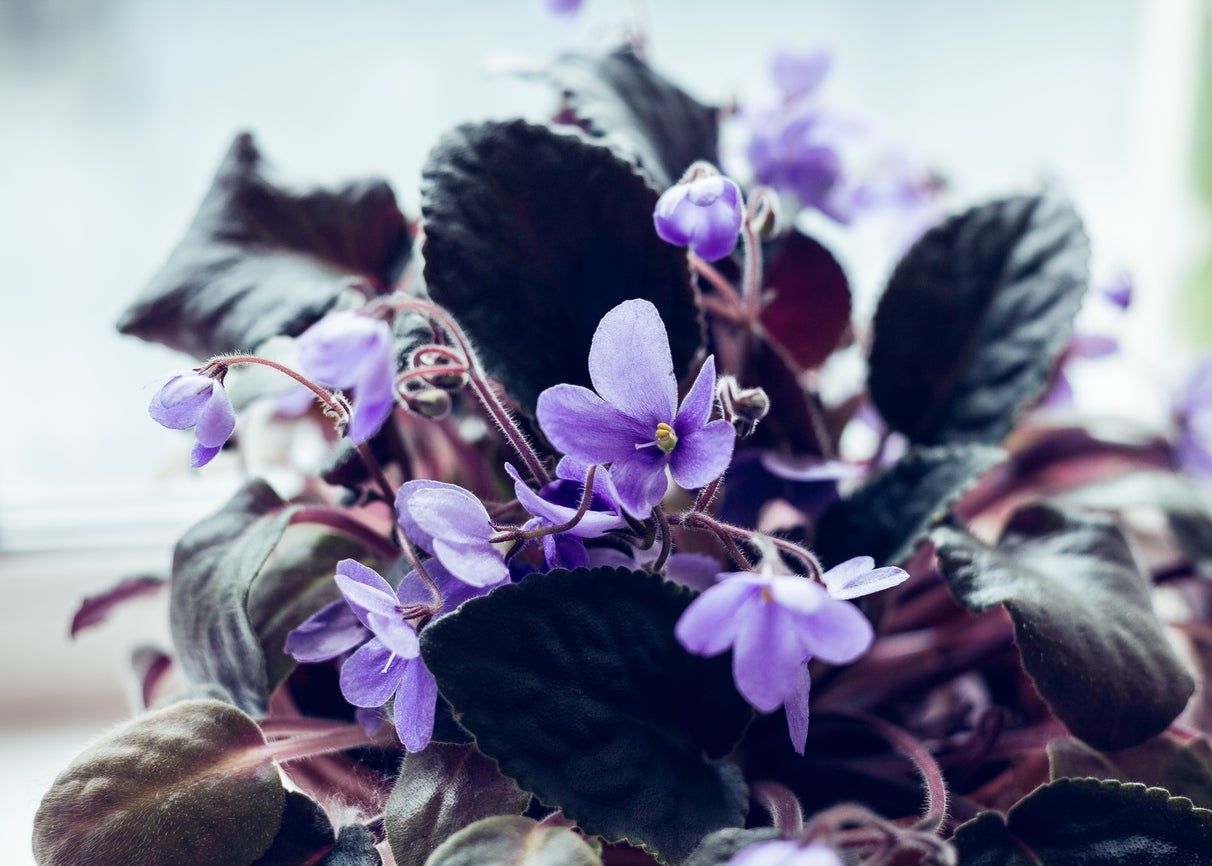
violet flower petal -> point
(404, 496)
(695, 410)
(767, 655)
(201, 455)
(565, 550)
(336, 350)
(799, 594)
(631, 366)
(332, 630)
(796, 710)
(180, 401)
(837, 633)
(695, 570)
(365, 590)
(593, 524)
(373, 401)
(702, 456)
(857, 577)
(371, 675)
(582, 425)
(640, 480)
(416, 701)
(710, 624)
(451, 514)
(217, 420)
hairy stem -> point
(783, 806)
(541, 531)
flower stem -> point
(666, 539)
(701, 520)
(310, 745)
(751, 284)
(343, 522)
(220, 364)
(783, 806)
(936, 787)
(711, 274)
(541, 531)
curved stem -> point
(705, 521)
(330, 402)
(376, 472)
(711, 274)
(783, 806)
(541, 531)
(343, 522)
(666, 539)
(936, 787)
(751, 285)
(310, 745)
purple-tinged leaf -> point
(261, 260)
(95, 608)
(810, 309)
(150, 665)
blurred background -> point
(115, 113)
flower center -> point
(666, 439)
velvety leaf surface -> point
(512, 840)
(441, 790)
(1183, 769)
(1083, 620)
(810, 308)
(260, 259)
(180, 785)
(617, 96)
(304, 830)
(1184, 504)
(1087, 822)
(891, 513)
(719, 848)
(974, 317)
(95, 608)
(575, 684)
(355, 847)
(531, 236)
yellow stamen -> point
(666, 439)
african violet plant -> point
(585, 631)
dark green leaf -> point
(187, 784)
(1183, 769)
(1086, 822)
(620, 98)
(531, 236)
(262, 260)
(888, 516)
(355, 847)
(718, 848)
(240, 583)
(304, 830)
(1182, 502)
(974, 317)
(512, 840)
(441, 790)
(575, 684)
(1083, 619)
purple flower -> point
(633, 422)
(349, 350)
(695, 570)
(703, 214)
(786, 852)
(557, 503)
(794, 149)
(197, 401)
(798, 74)
(387, 661)
(1118, 290)
(776, 623)
(563, 7)
(1193, 413)
(451, 523)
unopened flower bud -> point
(704, 214)
(447, 381)
(745, 406)
(432, 403)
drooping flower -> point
(775, 623)
(197, 401)
(704, 214)
(557, 503)
(350, 350)
(386, 662)
(633, 422)
(452, 524)
(786, 852)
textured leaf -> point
(512, 840)
(1183, 769)
(355, 847)
(1086, 822)
(575, 684)
(441, 790)
(95, 608)
(620, 98)
(888, 516)
(809, 311)
(261, 260)
(186, 784)
(974, 317)
(304, 830)
(240, 582)
(531, 236)
(1184, 504)
(718, 848)
(1083, 620)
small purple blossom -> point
(786, 852)
(350, 350)
(793, 148)
(704, 214)
(451, 523)
(631, 420)
(197, 401)
(556, 504)
(1119, 290)
(563, 7)
(798, 74)
(776, 623)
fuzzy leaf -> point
(1083, 620)
(355, 846)
(261, 260)
(974, 317)
(1086, 822)
(888, 516)
(1183, 769)
(185, 784)
(441, 790)
(620, 98)
(573, 681)
(531, 236)
(304, 830)
(511, 840)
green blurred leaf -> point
(512, 840)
